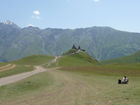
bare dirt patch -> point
(7, 67)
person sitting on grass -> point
(124, 80)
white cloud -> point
(36, 12)
(96, 0)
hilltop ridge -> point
(75, 57)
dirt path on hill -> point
(68, 89)
(18, 77)
(52, 61)
(7, 67)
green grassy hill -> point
(2, 64)
(76, 58)
(34, 60)
(81, 80)
(24, 65)
(134, 58)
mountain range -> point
(102, 43)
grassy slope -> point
(134, 58)
(24, 88)
(34, 60)
(132, 70)
(2, 64)
(25, 64)
(78, 59)
(102, 78)
(104, 88)
(18, 69)
(104, 82)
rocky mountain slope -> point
(100, 42)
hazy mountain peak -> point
(31, 28)
(9, 24)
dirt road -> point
(18, 77)
(52, 61)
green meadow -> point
(25, 64)
(80, 80)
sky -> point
(119, 14)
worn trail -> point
(7, 67)
(18, 77)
